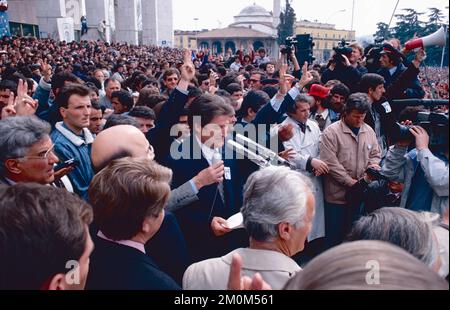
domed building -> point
(253, 26)
(258, 18)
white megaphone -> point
(437, 38)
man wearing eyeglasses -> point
(170, 80)
(255, 80)
(26, 151)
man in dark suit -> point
(204, 151)
(128, 198)
(392, 67)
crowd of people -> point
(119, 169)
(435, 82)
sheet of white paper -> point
(236, 221)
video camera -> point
(289, 47)
(372, 53)
(343, 48)
(435, 123)
(339, 51)
(302, 45)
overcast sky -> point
(220, 13)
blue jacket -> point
(68, 146)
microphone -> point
(240, 149)
(266, 153)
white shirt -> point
(207, 152)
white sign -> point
(66, 30)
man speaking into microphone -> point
(209, 120)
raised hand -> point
(24, 104)
(46, 69)
(9, 110)
(283, 80)
(238, 283)
(286, 132)
(306, 75)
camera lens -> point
(401, 133)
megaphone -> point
(434, 39)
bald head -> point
(118, 142)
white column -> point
(126, 21)
(96, 12)
(150, 22)
(276, 13)
(165, 22)
(47, 13)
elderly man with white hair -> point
(278, 211)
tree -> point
(408, 25)
(435, 17)
(383, 32)
(287, 23)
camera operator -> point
(382, 117)
(340, 68)
(424, 174)
(357, 57)
(391, 63)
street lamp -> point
(196, 23)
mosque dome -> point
(254, 10)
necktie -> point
(320, 121)
(302, 127)
(217, 157)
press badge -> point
(227, 173)
(387, 107)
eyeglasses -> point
(172, 79)
(42, 156)
(151, 152)
(254, 81)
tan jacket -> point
(212, 274)
(348, 156)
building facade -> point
(253, 27)
(185, 39)
(131, 21)
(325, 36)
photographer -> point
(424, 174)
(340, 68)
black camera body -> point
(289, 48)
(373, 173)
(435, 123)
(343, 48)
(372, 53)
(339, 51)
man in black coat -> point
(392, 67)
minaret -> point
(276, 12)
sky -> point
(367, 13)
